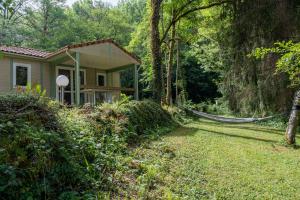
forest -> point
(205, 43)
(234, 60)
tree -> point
(156, 49)
(289, 62)
(44, 21)
(11, 15)
(179, 10)
(248, 85)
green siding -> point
(52, 81)
(42, 75)
(11, 73)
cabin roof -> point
(48, 55)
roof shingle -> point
(25, 51)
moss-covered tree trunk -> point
(177, 68)
(155, 50)
(291, 130)
(170, 67)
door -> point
(68, 91)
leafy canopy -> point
(289, 61)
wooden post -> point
(291, 130)
(77, 79)
(136, 83)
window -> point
(101, 79)
(82, 78)
(21, 74)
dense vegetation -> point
(203, 44)
(229, 57)
(50, 152)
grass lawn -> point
(210, 160)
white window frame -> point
(28, 66)
(97, 79)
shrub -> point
(36, 155)
(141, 115)
(219, 107)
(50, 152)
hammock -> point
(228, 120)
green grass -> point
(209, 160)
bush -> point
(146, 115)
(219, 107)
(36, 156)
(139, 115)
(51, 152)
(279, 121)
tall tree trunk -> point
(155, 49)
(177, 69)
(291, 130)
(170, 66)
(163, 71)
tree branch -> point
(187, 13)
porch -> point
(95, 72)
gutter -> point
(67, 52)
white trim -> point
(28, 66)
(97, 76)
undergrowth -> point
(50, 152)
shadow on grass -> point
(237, 136)
(183, 131)
(258, 128)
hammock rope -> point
(227, 119)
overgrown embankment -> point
(51, 152)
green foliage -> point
(219, 107)
(49, 151)
(289, 61)
(227, 34)
(279, 122)
(201, 84)
(136, 117)
(143, 115)
(35, 153)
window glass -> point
(21, 75)
(81, 77)
(101, 80)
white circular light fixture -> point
(62, 81)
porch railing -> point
(99, 94)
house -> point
(93, 69)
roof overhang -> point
(21, 56)
(104, 54)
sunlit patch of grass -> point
(209, 160)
